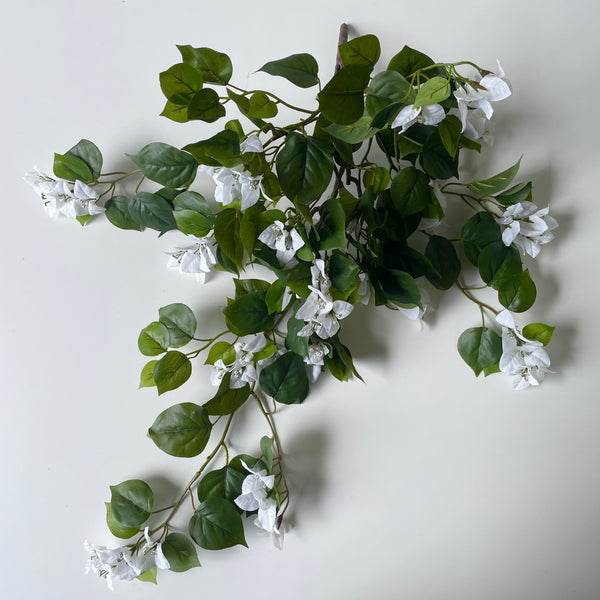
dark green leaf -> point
(342, 271)
(116, 528)
(172, 371)
(409, 61)
(205, 106)
(221, 149)
(71, 168)
(226, 401)
(388, 87)
(300, 69)
(153, 211)
(224, 483)
(191, 222)
(180, 321)
(217, 524)
(294, 342)
(518, 193)
(495, 184)
(227, 234)
(90, 154)
(479, 231)
(442, 255)
(117, 212)
(480, 348)
(364, 50)
(153, 339)
(266, 447)
(214, 67)
(249, 314)
(175, 112)
(410, 191)
(192, 201)
(378, 178)
(166, 164)
(435, 158)
(180, 79)
(181, 430)
(342, 99)
(261, 106)
(497, 261)
(399, 287)
(131, 502)
(352, 133)
(180, 551)
(275, 296)
(247, 286)
(285, 379)
(304, 169)
(449, 131)
(331, 228)
(517, 292)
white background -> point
(425, 483)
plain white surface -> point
(425, 484)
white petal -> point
(432, 114)
(495, 88)
(251, 144)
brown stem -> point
(342, 39)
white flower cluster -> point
(236, 183)
(285, 242)
(242, 369)
(525, 360)
(123, 562)
(257, 495)
(528, 226)
(197, 259)
(63, 198)
(320, 311)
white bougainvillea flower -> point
(251, 144)
(110, 563)
(235, 184)
(525, 360)
(149, 555)
(197, 259)
(320, 279)
(316, 359)
(285, 242)
(255, 496)
(528, 226)
(364, 289)
(428, 115)
(322, 314)
(62, 197)
(490, 88)
(242, 369)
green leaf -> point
(342, 99)
(193, 223)
(266, 447)
(220, 149)
(386, 88)
(153, 339)
(227, 234)
(248, 314)
(71, 168)
(180, 551)
(339, 361)
(116, 528)
(117, 212)
(304, 169)
(153, 211)
(216, 524)
(247, 286)
(518, 193)
(433, 91)
(205, 106)
(131, 502)
(261, 106)
(274, 296)
(180, 321)
(181, 430)
(331, 228)
(214, 67)
(352, 133)
(436, 161)
(175, 112)
(409, 61)
(147, 374)
(517, 292)
(495, 184)
(172, 371)
(226, 401)
(539, 332)
(442, 255)
(399, 287)
(410, 191)
(90, 154)
(497, 261)
(449, 132)
(224, 483)
(299, 69)
(364, 50)
(149, 576)
(220, 350)
(285, 379)
(166, 164)
(192, 201)
(294, 342)
(181, 80)
(378, 178)
(480, 348)
(479, 231)
(342, 271)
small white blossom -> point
(488, 89)
(525, 360)
(64, 198)
(316, 359)
(320, 280)
(197, 259)
(235, 184)
(428, 115)
(528, 226)
(242, 369)
(251, 144)
(364, 289)
(322, 314)
(285, 242)
(256, 489)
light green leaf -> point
(154, 339)
(495, 184)
(181, 79)
(266, 447)
(90, 154)
(147, 374)
(539, 332)
(433, 91)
